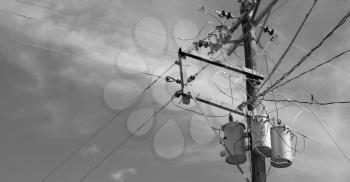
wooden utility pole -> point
(258, 173)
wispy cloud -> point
(90, 150)
(120, 175)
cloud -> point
(90, 150)
(120, 175)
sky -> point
(67, 67)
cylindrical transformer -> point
(281, 155)
(234, 143)
(260, 130)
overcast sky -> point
(67, 67)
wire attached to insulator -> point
(224, 14)
(171, 79)
(230, 118)
(191, 78)
(268, 30)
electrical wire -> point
(256, 7)
(290, 45)
(323, 127)
(302, 60)
(202, 10)
(308, 102)
(318, 58)
(295, 117)
(268, 171)
(196, 112)
(273, 93)
(112, 22)
(229, 96)
(265, 21)
(330, 136)
(4, 37)
(283, 3)
(123, 142)
(229, 80)
(99, 130)
(84, 33)
(312, 69)
(37, 20)
(304, 136)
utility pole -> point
(258, 173)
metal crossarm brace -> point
(218, 105)
(245, 71)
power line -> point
(123, 142)
(312, 69)
(282, 4)
(314, 102)
(265, 21)
(36, 20)
(290, 44)
(302, 60)
(330, 136)
(318, 58)
(54, 170)
(323, 126)
(273, 93)
(112, 22)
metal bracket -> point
(248, 72)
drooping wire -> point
(304, 136)
(71, 54)
(318, 58)
(308, 102)
(112, 22)
(265, 21)
(323, 127)
(314, 68)
(23, 42)
(123, 142)
(256, 7)
(226, 94)
(282, 4)
(99, 130)
(273, 93)
(302, 60)
(330, 136)
(202, 10)
(290, 45)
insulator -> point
(273, 37)
(191, 78)
(230, 118)
(200, 43)
(178, 93)
(223, 13)
(279, 122)
(168, 79)
(265, 28)
(186, 99)
(222, 153)
(229, 15)
(206, 44)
